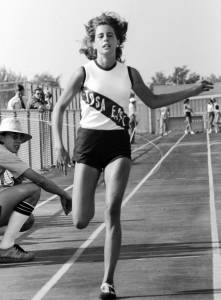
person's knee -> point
(112, 213)
(82, 221)
(81, 224)
(27, 205)
(35, 196)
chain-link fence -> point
(39, 151)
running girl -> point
(103, 143)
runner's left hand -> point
(206, 85)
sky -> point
(39, 36)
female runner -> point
(103, 142)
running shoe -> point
(15, 254)
(107, 291)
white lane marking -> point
(213, 219)
(151, 171)
(56, 277)
(144, 145)
(214, 229)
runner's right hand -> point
(66, 204)
(63, 159)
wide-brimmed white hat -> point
(13, 125)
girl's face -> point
(12, 141)
(105, 41)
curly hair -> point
(109, 18)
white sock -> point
(14, 225)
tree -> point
(180, 75)
(159, 79)
(213, 78)
(192, 78)
(46, 79)
(8, 75)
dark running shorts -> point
(188, 117)
(97, 148)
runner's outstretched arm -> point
(156, 101)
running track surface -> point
(171, 231)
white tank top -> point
(105, 97)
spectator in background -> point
(217, 116)
(188, 114)
(211, 114)
(37, 101)
(132, 115)
(48, 99)
(164, 114)
(17, 102)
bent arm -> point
(73, 87)
(45, 183)
(156, 101)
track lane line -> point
(216, 258)
(70, 262)
(152, 171)
(144, 145)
